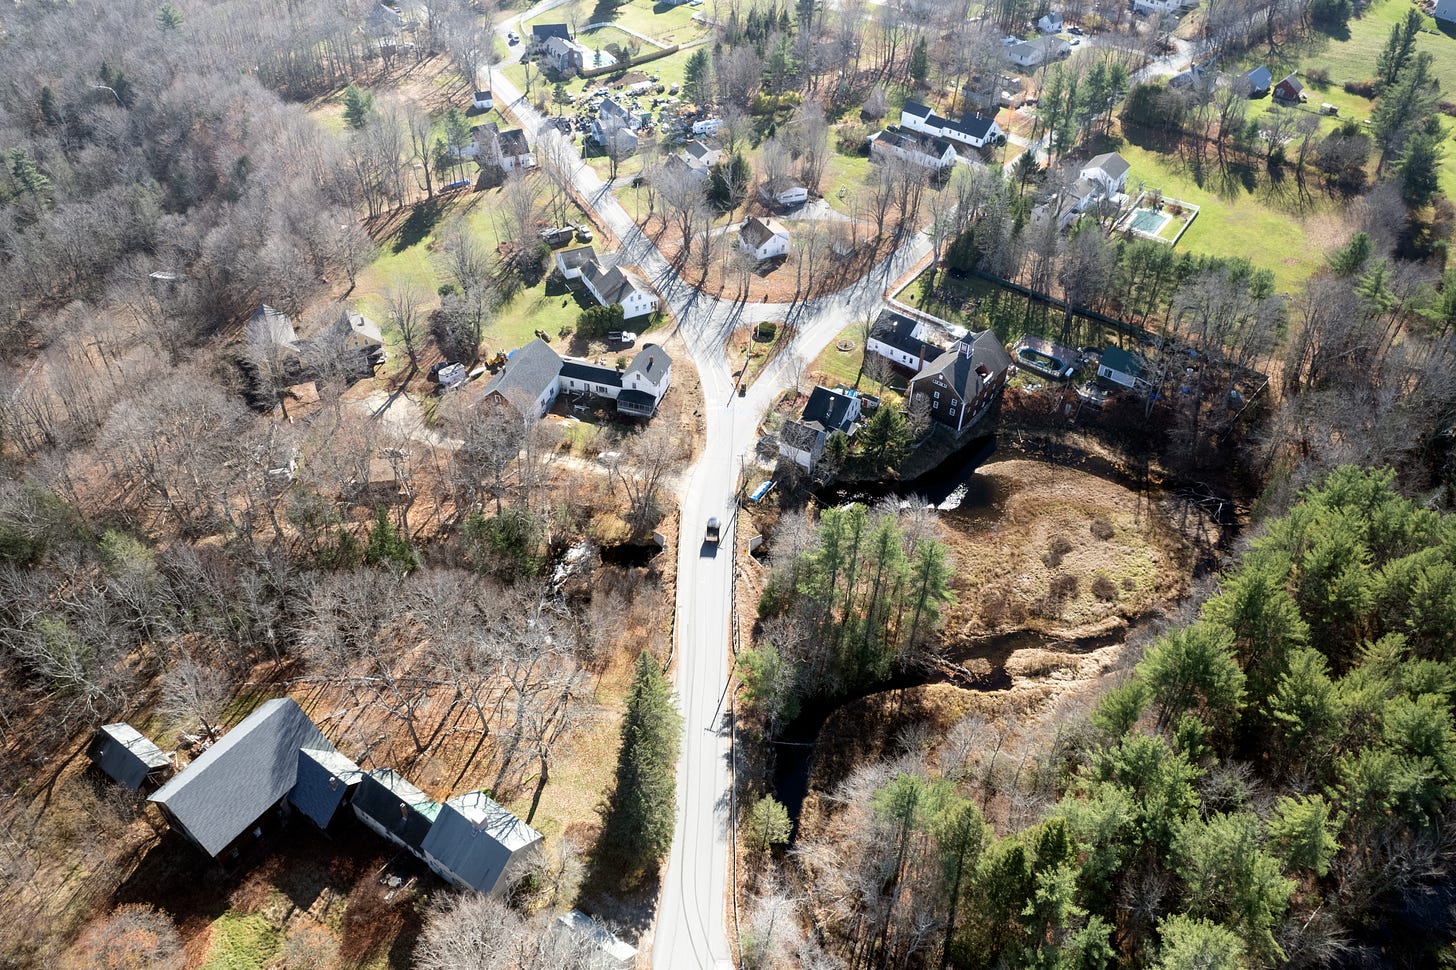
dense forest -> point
(1271, 784)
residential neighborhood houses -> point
(783, 192)
(536, 375)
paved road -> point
(691, 917)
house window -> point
(937, 395)
(601, 389)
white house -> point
(570, 262)
(482, 101)
(1445, 10)
(783, 191)
(613, 286)
(1109, 170)
(1120, 368)
(925, 150)
(903, 341)
(696, 159)
(973, 129)
(763, 238)
(1162, 6)
(1050, 24)
(513, 151)
(536, 374)
(802, 441)
(1034, 53)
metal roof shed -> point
(126, 755)
(474, 841)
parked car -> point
(1075, 30)
(583, 234)
(512, 39)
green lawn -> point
(242, 943)
(1352, 58)
(1241, 214)
(515, 323)
(835, 366)
(666, 25)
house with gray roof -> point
(326, 780)
(227, 795)
(827, 411)
(610, 286)
(1256, 81)
(528, 380)
(961, 384)
(394, 808)
(927, 151)
(535, 375)
(477, 844)
(127, 756)
(570, 262)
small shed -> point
(482, 101)
(1119, 367)
(127, 756)
(1289, 89)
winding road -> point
(693, 908)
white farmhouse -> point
(763, 238)
(614, 286)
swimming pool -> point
(1148, 222)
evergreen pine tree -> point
(638, 816)
(919, 62)
(386, 547)
(357, 105)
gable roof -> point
(610, 110)
(611, 286)
(973, 125)
(1115, 358)
(899, 331)
(360, 325)
(914, 141)
(475, 838)
(270, 325)
(961, 365)
(216, 797)
(543, 32)
(578, 257)
(324, 778)
(652, 362)
(513, 143)
(125, 754)
(828, 409)
(755, 231)
(1110, 162)
(801, 436)
(916, 110)
(526, 375)
(701, 152)
(398, 806)
(1258, 78)
(1292, 83)
(595, 373)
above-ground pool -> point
(1041, 363)
(1148, 222)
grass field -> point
(835, 366)
(408, 256)
(1352, 57)
(1242, 214)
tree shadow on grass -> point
(421, 222)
